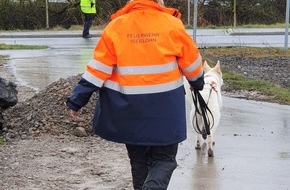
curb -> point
(256, 33)
(47, 34)
(97, 33)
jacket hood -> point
(139, 4)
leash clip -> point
(214, 86)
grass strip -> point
(2, 141)
(20, 47)
(239, 82)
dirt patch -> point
(64, 162)
(44, 151)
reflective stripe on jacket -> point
(139, 64)
(86, 6)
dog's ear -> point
(206, 67)
(217, 67)
(218, 70)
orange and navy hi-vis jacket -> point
(138, 66)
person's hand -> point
(197, 84)
(74, 114)
(196, 87)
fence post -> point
(195, 19)
(188, 12)
(287, 26)
(235, 13)
(46, 14)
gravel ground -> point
(271, 69)
(274, 70)
(46, 149)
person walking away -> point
(138, 70)
(88, 8)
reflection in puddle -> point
(205, 175)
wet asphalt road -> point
(252, 150)
(69, 53)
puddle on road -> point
(39, 68)
(43, 67)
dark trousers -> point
(152, 166)
(87, 24)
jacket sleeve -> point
(100, 68)
(190, 60)
(81, 94)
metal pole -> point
(235, 13)
(287, 26)
(46, 14)
(188, 12)
(195, 19)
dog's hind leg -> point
(210, 143)
(197, 141)
(199, 123)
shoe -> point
(87, 36)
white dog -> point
(211, 94)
